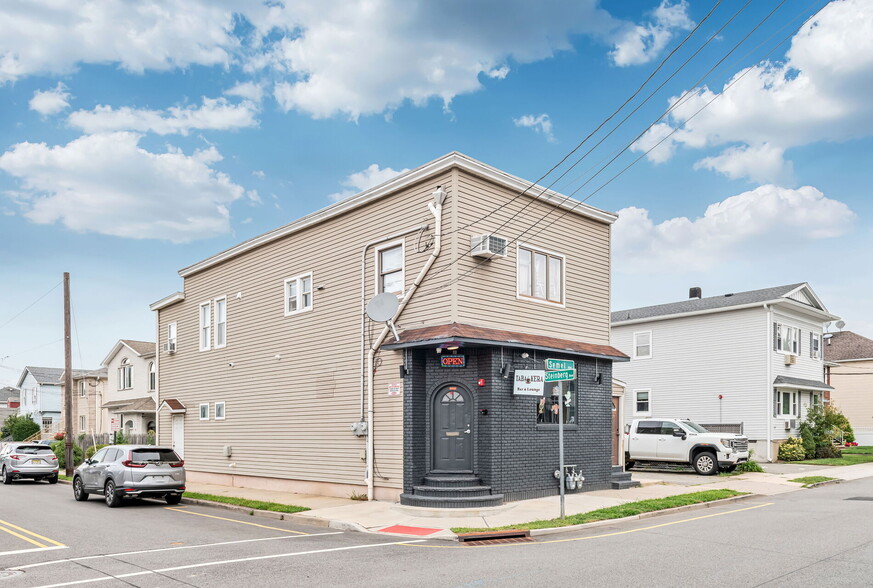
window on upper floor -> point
(815, 345)
(125, 375)
(221, 322)
(83, 388)
(389, 269)
(643, 345)
(786, 339)
(205, 326)
(540, 275)
(171, 337)
(152, 376)
(298, 294)
(643, 402)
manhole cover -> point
(9, 573)
(870, 498)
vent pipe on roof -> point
(695, 292)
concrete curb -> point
(825, 483)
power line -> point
(31, 305)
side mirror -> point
(679, 433)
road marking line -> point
(228, 561)
(649, 528)
(20, 536)
(32, 534)
(200, 514)
(159, 549)
(32, 550)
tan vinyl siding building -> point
(850, 372)
(293, 381)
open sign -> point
(453, 361)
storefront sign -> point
(560, 375)
(528, 382)
(560, 364)
(395, 389)
(453, 361)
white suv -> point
(682, 441)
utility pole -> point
(68, 380)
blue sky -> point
(139, 137)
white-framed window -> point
(786, 339)
(816, 398)
(204, 411)
(784, 403)
(390, 260)
(83, 388)
(219, 411)
(815, 345)
(298, 294)
(152, 376)
(643, 402)
(205, 325)
(221, 322)
(125, 375)
(83, 423)
(540, 275)
(171, 336)
(643, 345)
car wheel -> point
(52, 479)
(79, 490)
(6, 478)
(705, 463)
(173, 498)
(629, 465)
(109, 495)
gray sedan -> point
(131, 471)
(28, 461)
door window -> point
(667, 427)
(100, 456)
(649, 427)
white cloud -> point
(822, 92)
(767, 218)
(365, 179)
(259, 173)
(108, 184)
(638, 44)
(248, 90)
(213, 114)
(540, 123)
(48, 102)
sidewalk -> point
(375, 516)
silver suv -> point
(28, 460)
(131, 471)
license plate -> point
(160, 478)
(36, 461)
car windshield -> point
(154, 455)
(32, 449)
(694, 426)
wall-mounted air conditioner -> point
(169, 347)
(488, 246)
(790, 359)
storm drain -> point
(477, 542)
(868, 498)
(496, 537)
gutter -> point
(769, 383)
(436, 208)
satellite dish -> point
(382, 307)
(841, 324)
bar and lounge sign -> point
(529, 382)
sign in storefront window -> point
(548, 407)
(453, 360)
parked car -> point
(28, 461)
(683, 441)
(131, 471)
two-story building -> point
(748, 359)
(40, 396)
(849, 359)
(88, 390)
(395, 343)
(129, 399)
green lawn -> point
(253, 504)
(808, 480)
(868, 449)
(63, 477)
(847, 459)
(615, 512)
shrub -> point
(59, 436)
(792, 450)
(823, 425)
(827, 452)
(806, 434)
(150, 438)
(119, 439)
(19, 426)
(58, 448)
(92, 449)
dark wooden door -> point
(453, 437)
(616, 430)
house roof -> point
(847, 345)
(143, 404)
(462, 333)
(140, 348)
(800, 293)
(800, 383)
(173, 404)
(439, 165)
(42, 375)
(9, 392)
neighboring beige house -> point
(850, 372)
(89, 387)
(268, 345)
(129, 400)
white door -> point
(671, 448)
(644, 441)
(179, 434)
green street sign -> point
(560, 375)
(560, 364)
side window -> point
(642, 402)
(540, 275)
(643, 345)
(389, 269)
(298, 294)
(649, 427)
(668, 426)
(100, 456)
(205, 326)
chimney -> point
(695, 292)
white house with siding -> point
(129, 400)
(750, 358)
(41, 396)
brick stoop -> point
(620, 479)
(451, 491)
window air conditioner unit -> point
(488, 246)
(169, 347)
(790, 359)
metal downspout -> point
(436, 208)
(769, 383)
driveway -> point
(684, 476)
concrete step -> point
(624, 484)
(459, 491)
(452, 481)
(451, 502)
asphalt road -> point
(816, 536)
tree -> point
(821, 427)
(19, 426)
